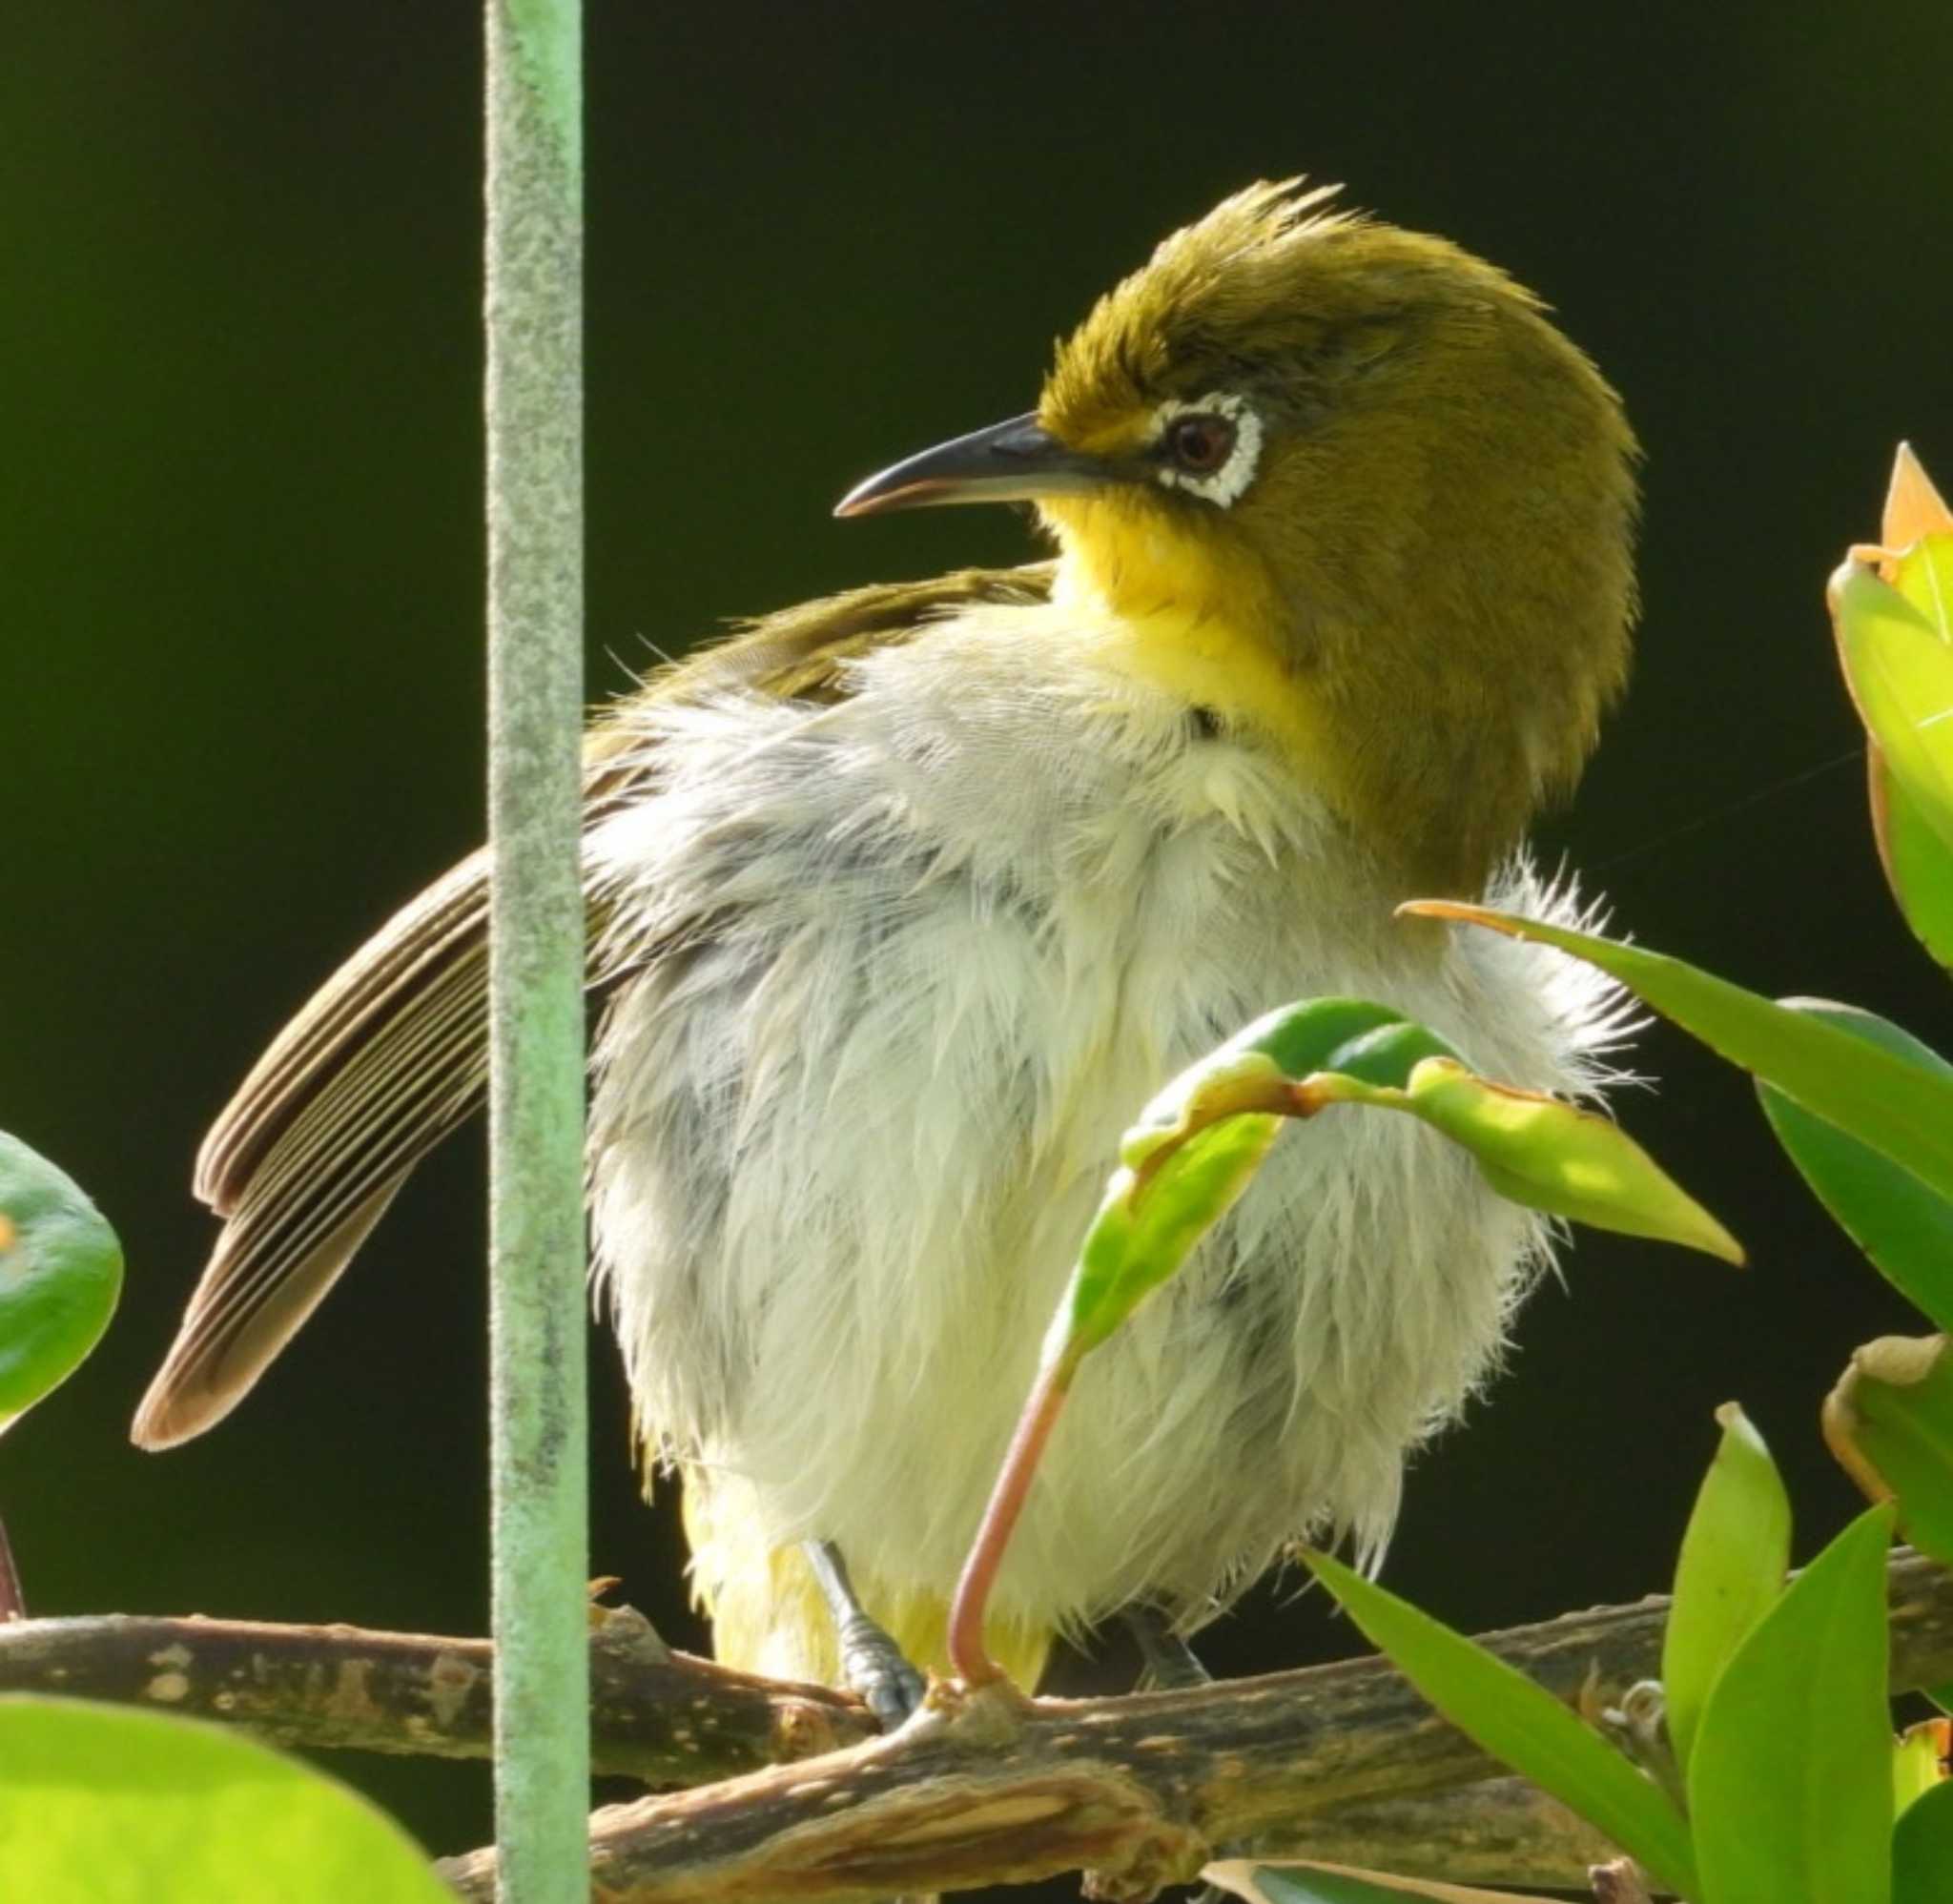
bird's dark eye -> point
(1200, 442)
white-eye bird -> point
(902, 903)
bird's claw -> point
(875, 1667)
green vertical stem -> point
(536, 1091)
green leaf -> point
(1901, 675)
(1922, 572)
(1367, 1040)
(1918, 1765)
(1734, 1557)
(1923, 1850)
(1903, 1112)
(60, 1275)
(1890, 1422)
(1790, 1782)
(1144, 1231)
(1197, 1145)
(1918, 560)
(1919, 865)
(1522, 1723)
(1905, 1227)
(1552, 1155)
(102, 1802)
(1307, 1881)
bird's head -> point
(1343, 486)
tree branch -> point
(657, 1714)
(985, 1788)
(1340, 1762)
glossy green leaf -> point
(1522, 1723)
(1923, 1850)
(1919, 865)
(1903, 1112)
(1144, 1231)
(1790, 1782)
(1917, 560)
(1905, 1227)
(1357, 1036)
(1901, 675)
(1548, 1155)
(1890, 1422)
(105, 1802)
(1197, 1145)
(1307, 1881)
(1923, 573)
(1918, 1763)
(60, 1275)
(1734, 1557)
(1385, 1054)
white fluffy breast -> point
(921, 956)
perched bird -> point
(903, 901)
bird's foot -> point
(1170, 1664)
(876, 1667)
(873, 1666)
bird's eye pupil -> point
(1200, 445)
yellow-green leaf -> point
(1730, 1571)
(1901, 675)
(1922, 572)
(105, 1802)
(1146, 1229)
(1917, 560)
(1353, 1035)
(1197, 1145)
(1890, 1422)
(1790, 1782)
(1905, 1113)
(1919, 865)
(1555, 1157)
(1918, 1762)
(1521, 1723)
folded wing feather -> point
(392, 1053)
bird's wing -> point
(392, 1053)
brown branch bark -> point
(1619, 1882)
(655, 1715)
(1499, 1833)
(986, 1788)
(1340, 1762)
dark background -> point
(241, 612)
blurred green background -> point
(241, 605)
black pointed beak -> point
(1009, 462)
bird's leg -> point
(1171, 1665)
(872, 1663)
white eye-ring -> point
(1210, 448)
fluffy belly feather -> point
(916, 976)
